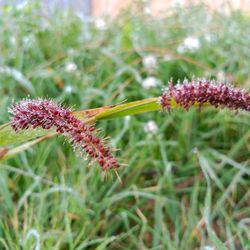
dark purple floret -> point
(203, 91)
(47, 114)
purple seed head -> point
(204, 91)
(47, 114)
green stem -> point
(131, 108)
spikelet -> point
(47, 114)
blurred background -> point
(112, 8)
(186, 180)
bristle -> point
(47, 114)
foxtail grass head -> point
(47, 114)
(200, 92)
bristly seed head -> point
(47, 114)
(204, 91)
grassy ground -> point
(184, 187)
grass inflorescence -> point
(47, 114)
(202, 92)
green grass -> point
(185, 187)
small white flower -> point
(167, 57)
(177, 3)
(149, 62)
(68, 89)
(208, 248)
(127, 118)
(13, 40)
(190, 44)
(22, 5)
(150, 82)
(147, 10)
(71, 52)
(28, 40)
(209, 37)
(70, 67)
(100, 24)
(221, 76)
(150, 127)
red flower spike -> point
(47, 114)
(204, 91)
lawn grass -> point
(184, 187)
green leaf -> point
(8, 136)
(7, 153)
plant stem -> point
(120, 110)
